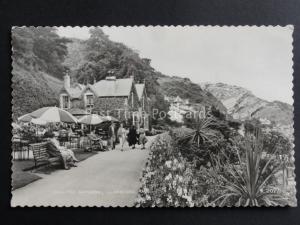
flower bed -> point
(168, 179)
(216, 173)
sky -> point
(256, 58)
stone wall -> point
(77, 103)
(112, 106)
(109, 103)
(119, 107)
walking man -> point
(112, 135)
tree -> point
(104, 57)
(38, 55)
(40, 48)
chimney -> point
(67, 81)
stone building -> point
(121, 98)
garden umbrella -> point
(92, 119)
(53, 115)
(110, 118)
(25, 118)
(38, 121)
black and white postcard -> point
(153, 116)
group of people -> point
(132, 136)
(54, 133)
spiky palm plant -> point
(201, 134)
(248, 185)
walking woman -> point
(132, 137)
(121, 135)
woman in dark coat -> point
(132, 137)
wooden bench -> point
(41, 157)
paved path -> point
(106, 179)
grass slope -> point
(32, 89)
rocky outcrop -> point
(243, 104)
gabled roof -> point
(113, 87)
(140, 90)
(103, 88)
(75, 91)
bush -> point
(250, 182)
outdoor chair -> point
(41, 157)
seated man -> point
(95, 139)
(67, 155)
(94, 136)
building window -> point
(89, 101)
(65, 101)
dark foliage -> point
(37, 59)
(40, 48)
(104, 57)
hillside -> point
(242, 104)
(38, 54)
(99, 56)
(41, 58)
